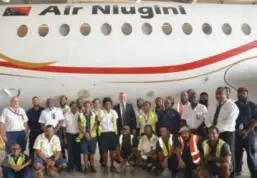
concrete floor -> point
(128, 173)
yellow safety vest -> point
(151, 120)
(83, 123)
(114, 121)
(54, 143)
(121, 140)
(19, 162)
(165, 152)
(207, 149)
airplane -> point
(145, 49)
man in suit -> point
(126, 114)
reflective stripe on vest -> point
(193, 148)
(121, 140)
(165, 152)
(151, 120)
(83, 123)
(114, 121)
(207, 150)
(54, 143)
(19, 162)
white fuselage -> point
(141, 65)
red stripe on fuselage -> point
(141, 70)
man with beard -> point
(204, 99)
(34, 126)
(169, 118)
(138, 111)
(80, 103)
(183, 102)
(64, 104)
(246, 133)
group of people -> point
(189, 138)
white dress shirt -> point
(13, 120)
(145, 144)
(227, 117)
(107, 121)
(195, 117)
(71, 122)
(51, 116)
(47, 145)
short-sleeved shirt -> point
(145, 144)
(166, 143)
(71, 122)
(170, 119)
(107, 121)
(13, 120)
(6, 159)
(33, 116)
(47, 145)
(51, 116)
(126, 146)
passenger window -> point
(226, 28)
(187, 28)
(246, 29)
(126, 29)
(64, 29)
(43, 30)
(207, 29)
(147, 28)
(22, 31)
(166, 28)
(106, 29)
(85, 29)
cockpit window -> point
(207, 29)
(147, 28)
(126, 29)
(43, 30)
(64, 29)
(187, 28)
(85, 29)
(106, 29)
(246, 29)
(22, 31)
(166, 28)
(226, 28)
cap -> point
(126, 127)
(183, 129)
(242, 89)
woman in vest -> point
(165, 150)
(187, 152)
(48, 153)
(147, 117)
(108, 133)
(16, 164)
(127, 148)
(87, 124)
(216, 156)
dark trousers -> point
(229, 138)
(248, 143)
(10, 173)
(32, 137)
(61, 137)
(74, 151)
(15, 137)
(100, 150)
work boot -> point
(92, 168)
(113, 169)
(86, 170)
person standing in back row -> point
(13, 125)
(224, 118)
(183, 103)
(34, 126)
(126, 114)
(246, 133)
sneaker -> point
(92, 169)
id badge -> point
(53, 116)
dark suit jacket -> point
(130, 117)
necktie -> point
(216, 115)
(123, 114)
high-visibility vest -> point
(121, 140)
(114, 121)
(206, 149)
(179, 108)
(151, 120)
(165, 152)
(54, 142)
(83, 123)
(19, 162)
(65, 109)
(193, 148)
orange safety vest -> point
(193, 148)
(180, 108)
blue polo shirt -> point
(170, 119)
(33, 116)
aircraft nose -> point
(244, 73)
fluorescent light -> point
(6, 1)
